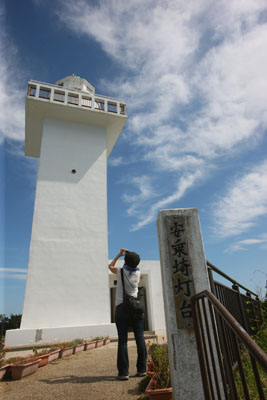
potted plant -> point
(99, 341)
(54, 354)
(90, 344)
(3, 363)
(78, 345)
(22, 367)
(43, 355)
(159, 386)
(66, 349)
(4, 369)
(156, 393)
(107, 340)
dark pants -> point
(123, 320)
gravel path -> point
(87, 375)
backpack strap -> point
(122, 279)
(129, 281)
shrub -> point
(159, 364)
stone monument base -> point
(18, 337)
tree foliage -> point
(6, 323)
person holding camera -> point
(128, 278)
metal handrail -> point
(218, 271)
(221, 342)
(253, 348)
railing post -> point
(212, 286)
(220, 335)
(259, 311)
(248, 294)
(52, 93)
(245, 322)
(184, 273)
(37, 91)
(105, 105)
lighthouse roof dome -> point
(76, 83)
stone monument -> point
(184, 273)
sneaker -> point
(139, 374)
(123, 377)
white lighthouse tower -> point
(73, 131)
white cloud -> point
(148, 215)
(243, 244)
(145, 193)
(193, 75)
(12, 116)
(244, 202)
(115, 162)
(13, 273)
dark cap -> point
(131, 258)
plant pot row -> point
(30, 366)
(83, 347)
(19, 371)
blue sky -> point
(193, 75)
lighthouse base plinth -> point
(19, 337)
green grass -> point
(261, 339)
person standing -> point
(124, 318)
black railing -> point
(221, 379)
(242, 303)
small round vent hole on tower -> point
(73, 171)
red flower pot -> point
(79, 347)
(4, 371)
(107, 340)
(20, 371)
(90, 345)
(43, 360)
(68, 351)
(54, 355)
(157, 394)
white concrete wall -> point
(67, 283)
(150, 279)
(18, 337)
(155, 304)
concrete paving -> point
(89, 375)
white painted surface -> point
(75, 82)
(67, 281)
(38, 109)
(150, 279)
(67, 290)
(17, 337)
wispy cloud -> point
(12, 116)
(115, 161)
(242, 245)
(193, 75)
(148, 214)
(145, 193)
(13, 273)
(244, 202)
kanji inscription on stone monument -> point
(181, 270)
